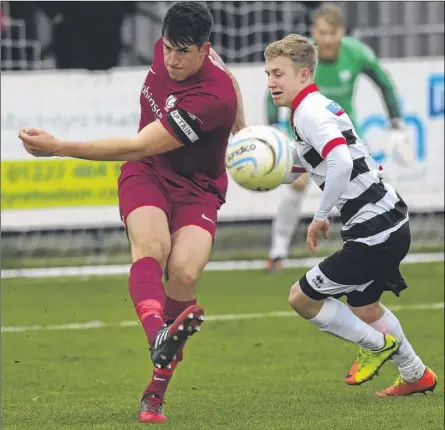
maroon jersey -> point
(198, 111)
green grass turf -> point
(267, 373)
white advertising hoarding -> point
(420, 84)
(84, 105)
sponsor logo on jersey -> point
(151, 101)
(170, 102)
(335, 108)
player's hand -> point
(313, 230)
(401, 145)
(39, 143)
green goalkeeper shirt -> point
(336, 80)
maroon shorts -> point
(140, 185)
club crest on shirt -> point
(170, 102)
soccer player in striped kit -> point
(375, 226)
(342, 60)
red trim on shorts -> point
(331, 145)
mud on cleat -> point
(173, 334)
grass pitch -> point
(256, 373)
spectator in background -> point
(87, 34)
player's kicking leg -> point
(147, 292)
(414, 377)
(285, 223)
(191, 246)
(146, 210)
(149, 236)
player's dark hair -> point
(187, 23)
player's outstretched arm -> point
(151, 140)
(240, 119)
(372, 67)
(399, 140)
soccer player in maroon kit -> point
(172, 184)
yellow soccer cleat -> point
(369, 362)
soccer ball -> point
(259, 158)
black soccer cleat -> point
(171, 336)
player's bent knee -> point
(148, 233)
(296, 297)
(184, 275)
(368, 313)
(154, 249)
(181, 283)
(305, 306)
(191, 247)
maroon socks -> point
(147, 292)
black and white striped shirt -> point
(370, 209)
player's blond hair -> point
(331, 13)
(295, 47)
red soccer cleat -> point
(403, 388)
(350, 376)
(151, 409)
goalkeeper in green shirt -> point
(341, 61)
